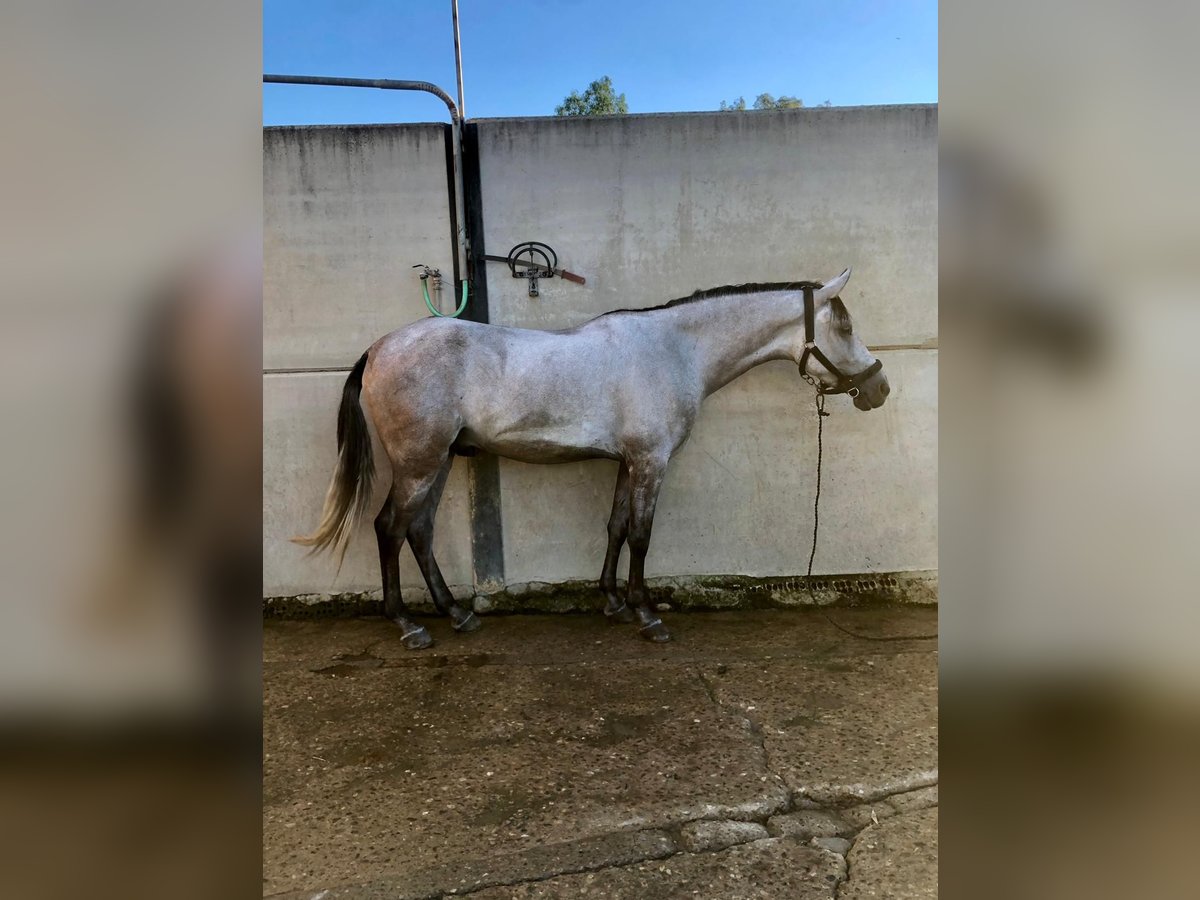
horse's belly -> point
(541, 445)
(548, 453)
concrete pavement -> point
(760, 754)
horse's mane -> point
(841, 318)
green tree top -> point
(598, 100)
(766, 101)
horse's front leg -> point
(615, 607)
(645, 480)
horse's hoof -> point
(469, 623)
(622, 615)
(656, 631)
(417, 639)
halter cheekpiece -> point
(846, 384)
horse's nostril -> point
(884, 389)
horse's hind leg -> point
(415, 636)
(420, 538)
(615, 607)
(404, 501)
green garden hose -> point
(434, 312)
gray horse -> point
(626, 385)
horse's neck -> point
(733, 334)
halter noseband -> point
(846, 384)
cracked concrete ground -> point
(760, 754)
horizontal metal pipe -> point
(385, 84)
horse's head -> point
(834, 355)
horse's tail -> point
(350, 488)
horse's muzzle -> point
(873, 392)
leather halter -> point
(846, 384)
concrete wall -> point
(648, 208)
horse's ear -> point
(833, 288)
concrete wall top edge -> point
(698, 113)
(357, 139)
(579, 120)
(366, 126)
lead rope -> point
(821, 415)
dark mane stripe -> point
(728, 290)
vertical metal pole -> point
(483, 473)
(459, 202)
(462, 110)
(456, 136)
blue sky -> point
(520, 58)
